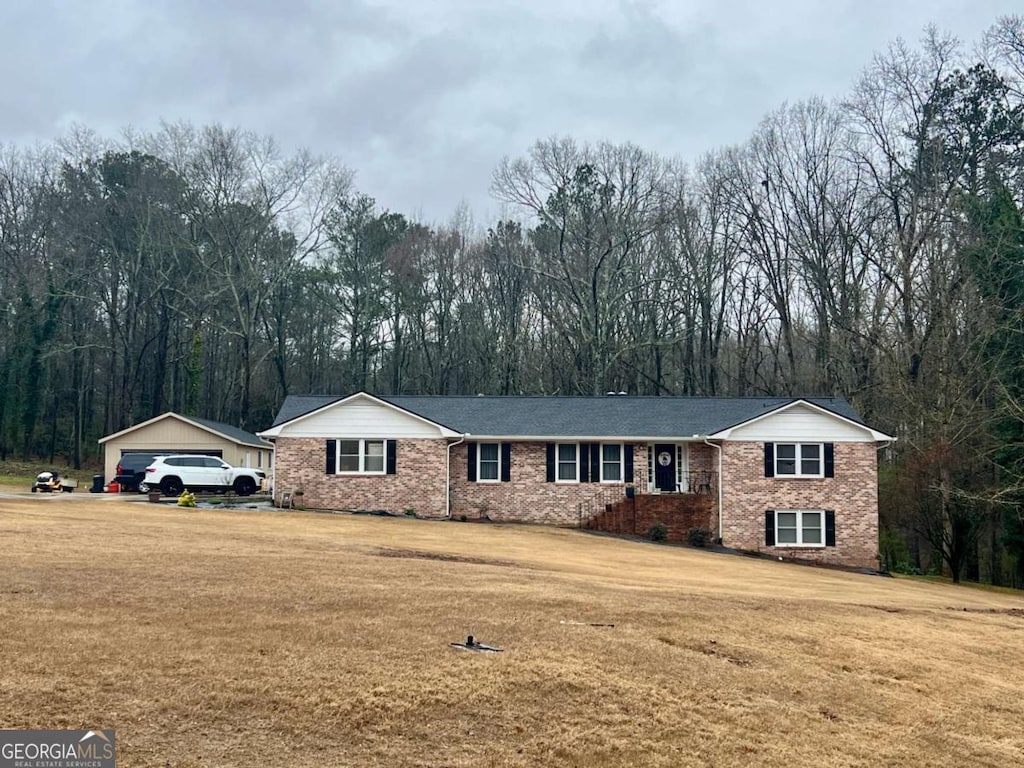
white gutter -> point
(448, 477)
(719, 449)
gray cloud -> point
(423, 99)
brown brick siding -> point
(418, 482)
(527, 497)
(703, 458)
(640, 467)
(678, 512)
(852, 493)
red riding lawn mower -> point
(52, 482)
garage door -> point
(131, 467)
(133, 462)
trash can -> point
(97, 484)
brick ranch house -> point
(794, 477)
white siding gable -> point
(360, 417)
(801, 423)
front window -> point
(360, 457)
(568, 463)
(800, 528)
(799, 460)
(488, 462)
(611, 463)
(682, 468)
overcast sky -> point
(422, 98)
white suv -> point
(173, 474)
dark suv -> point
(131, 469)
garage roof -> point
(226, 431)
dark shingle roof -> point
(229, 431)
(297, 405)
(611, 416)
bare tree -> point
(595, 206)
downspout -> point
(448, 477)
(719, 449)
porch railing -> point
(590, 508)
(697, 481)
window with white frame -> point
(682, 468)
(567, 460)
(800, 528)
(488, 463)
(611, 462)
(799, 460)
(364, 457)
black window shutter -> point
(627, 472)
(830, 460)
(551, 462)
(332, 457)
(830, 528)
(471, 462)
(583, 453)
(392, 448)
(595, 462)
(506, 462)
(769, 459)
(769, 528)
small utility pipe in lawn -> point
(448, 477)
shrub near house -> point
(784, 476)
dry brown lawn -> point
(242, 638)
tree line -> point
(870, 248)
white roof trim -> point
(875, 434)
(276, 431)
(187, 420)
(585, 438)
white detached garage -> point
(173, 433)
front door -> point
(665, 467)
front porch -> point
(673, 484)
(685, 467)
(701, 482)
